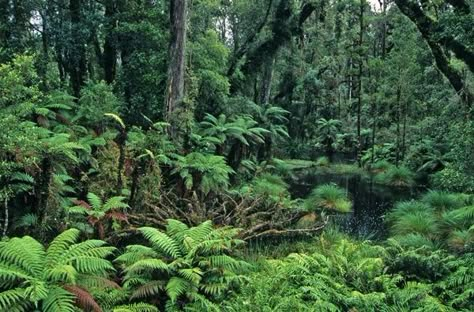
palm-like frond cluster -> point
(188, 264)
(56, 278)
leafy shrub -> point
(452, 180)
(323, 162)
(268, 186)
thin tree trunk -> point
(399, 94)
(6, 220)
(109, 61)
(77, 52)
(359, 84)
(374, 129)
(266, 86)
(404, 130)
(177, 60)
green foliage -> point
(203, 172)
(452, 179)
(396, 176)
(98, 213)
(96, 100)
(187, 264)
(439, 219)
(343, 275)
(328, 197)
(271, 188)
(55, 278)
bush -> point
(451, 179)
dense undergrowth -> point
(135, 178)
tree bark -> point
(399, 95)
(77, 51)
(285, 26)
(176, 66)
(109, 61)
(359, 82)
(266, 86)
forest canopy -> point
(236, 155)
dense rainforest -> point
(236, 155)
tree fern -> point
(184, 263)
(53, 277)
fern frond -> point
(83, 298)
(177, 287)
(147, 264)
(59, 300)
(149, 289)
(10, 298)
(136, 307)
(60, 244)
(161, 241)
(95, 201)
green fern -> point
(186, 263)
(32, 275)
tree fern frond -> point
(136, 307)
(83, 298)
(147, 264)
(161, 241)
(147, 290)
(176, 287)
(95, 201)
(58, 300)
(24, 252)
(60, 244)
(11, 298)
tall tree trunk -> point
(359, 82)
(109, 61)
(404, 129)
(267, 77)
(176, 66)
(398, 102)
(4, 22)
(374, 127)
(384, 28)
(77, 50)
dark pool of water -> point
(370, 201)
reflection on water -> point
(370, 201)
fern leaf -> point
(137, 307)
(176, 287)
(83, 298)
(161, 241)
(59, 300)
